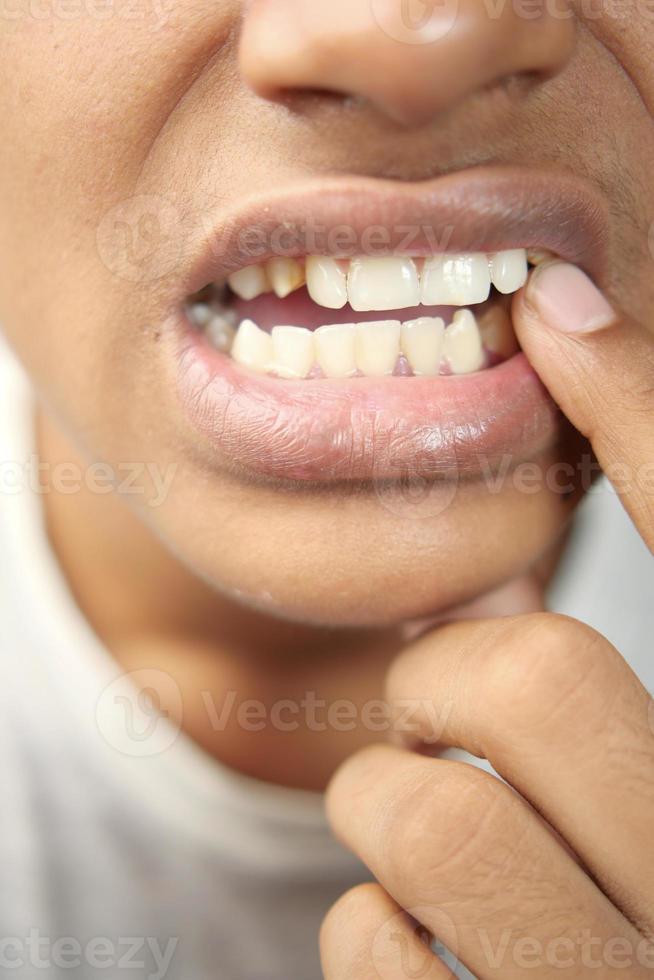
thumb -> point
(599, 368)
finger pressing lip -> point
(458, 846)
(559, 715)
(599, 367)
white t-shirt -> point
(124, 850)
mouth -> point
(323, 364)
(321, 317)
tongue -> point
(299, 310)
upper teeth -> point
(284, 275)
(456, 280)
(382, 284)
(388, 283)
(327, 281)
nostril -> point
(514, 87)
(300, 52)
(306, 99)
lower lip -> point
(363, 429)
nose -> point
(410, 59)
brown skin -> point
(168, 112)
(559, 715)
(95, 112)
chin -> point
(366, 556)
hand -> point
(549, 873)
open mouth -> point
(320, 317)
(305, 363)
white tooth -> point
(326, 282)
(293, 352)
(462, 347)
(285, 276)
(220, 333)
(250, 282)
(422, 343)
(252, 347)
(509, 270)
(456, 280)
(389, 283)
(335, 350)
(497, 333)
(377, 347)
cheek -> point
(84, 98)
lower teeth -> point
(425, 346)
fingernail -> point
(567, 300)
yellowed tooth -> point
(462, 346)
(377, 347)
(335, 350)
(250, 282)
(383, 283)
(326, 281)
(293, 352)
(252, 347)
(536, 256)
(422, 344)
(497, 333)
(284, 275)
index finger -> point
(599, 367)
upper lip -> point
(483, 209)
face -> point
(170, 171)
